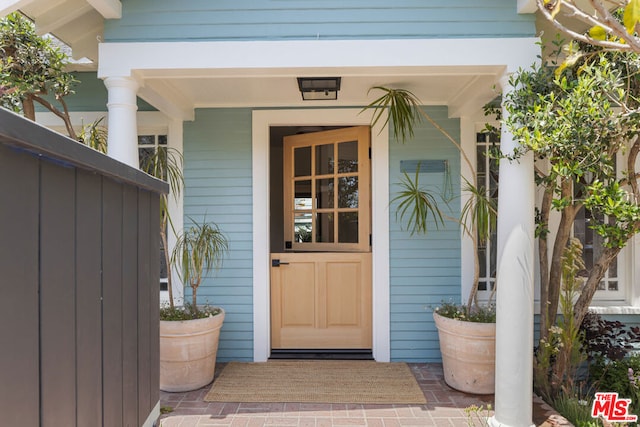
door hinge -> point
(369, 153)
(370, 240)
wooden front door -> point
(321, 287)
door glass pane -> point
(348, 192)
(324, 159)
(324, 193)
(348, 227)
(302, 195)
(324, 228)
(348, 157)
(302, 226)
(302, 161)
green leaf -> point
(631, 15)
(597, 33)
(416, 203)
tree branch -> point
(63, 116)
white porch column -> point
(122, 142)
(514, 301)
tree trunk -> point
(591, 285)
(568, 215)
(543, 249)
(194, 298)
(28, 108)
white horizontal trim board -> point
(266, 58)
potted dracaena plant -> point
(189, 335)
(466, 331)
(197, 250)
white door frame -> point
(262, 120)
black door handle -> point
(277, 263)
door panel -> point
(321, 290)
(321, 301)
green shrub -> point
(620, 376)
(577, 411)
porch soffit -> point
(178, 77)
(178, 93)
(78, 23)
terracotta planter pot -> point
(468, 354)
(188, 351)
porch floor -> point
(445, 407)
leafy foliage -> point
(94, 135)
(576, 410)
(607, 340)
(621, 376)
(611, 25)
(559, 355)
(577, 119)
(32, 67)
(480, 314)
(186, 312)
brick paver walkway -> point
(445, 407)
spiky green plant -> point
(417, 203)
(403, 110)
(166, 164)
(198, 250)
(94, 135)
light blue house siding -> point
(424, 269)
(217, 172)
(194, 20)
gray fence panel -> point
(19, 373)
(144, 330)
(89, 297)
(153, 373)
(57, 295)
(129, 306)
(79, 255)
(112, 301)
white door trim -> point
(261, 121)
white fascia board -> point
(109, 9)
(251, 58)
(527, 6)
(9, 6)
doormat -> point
(315, 381)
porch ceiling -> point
(78, 23)
(178, 92)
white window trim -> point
(262, 120)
